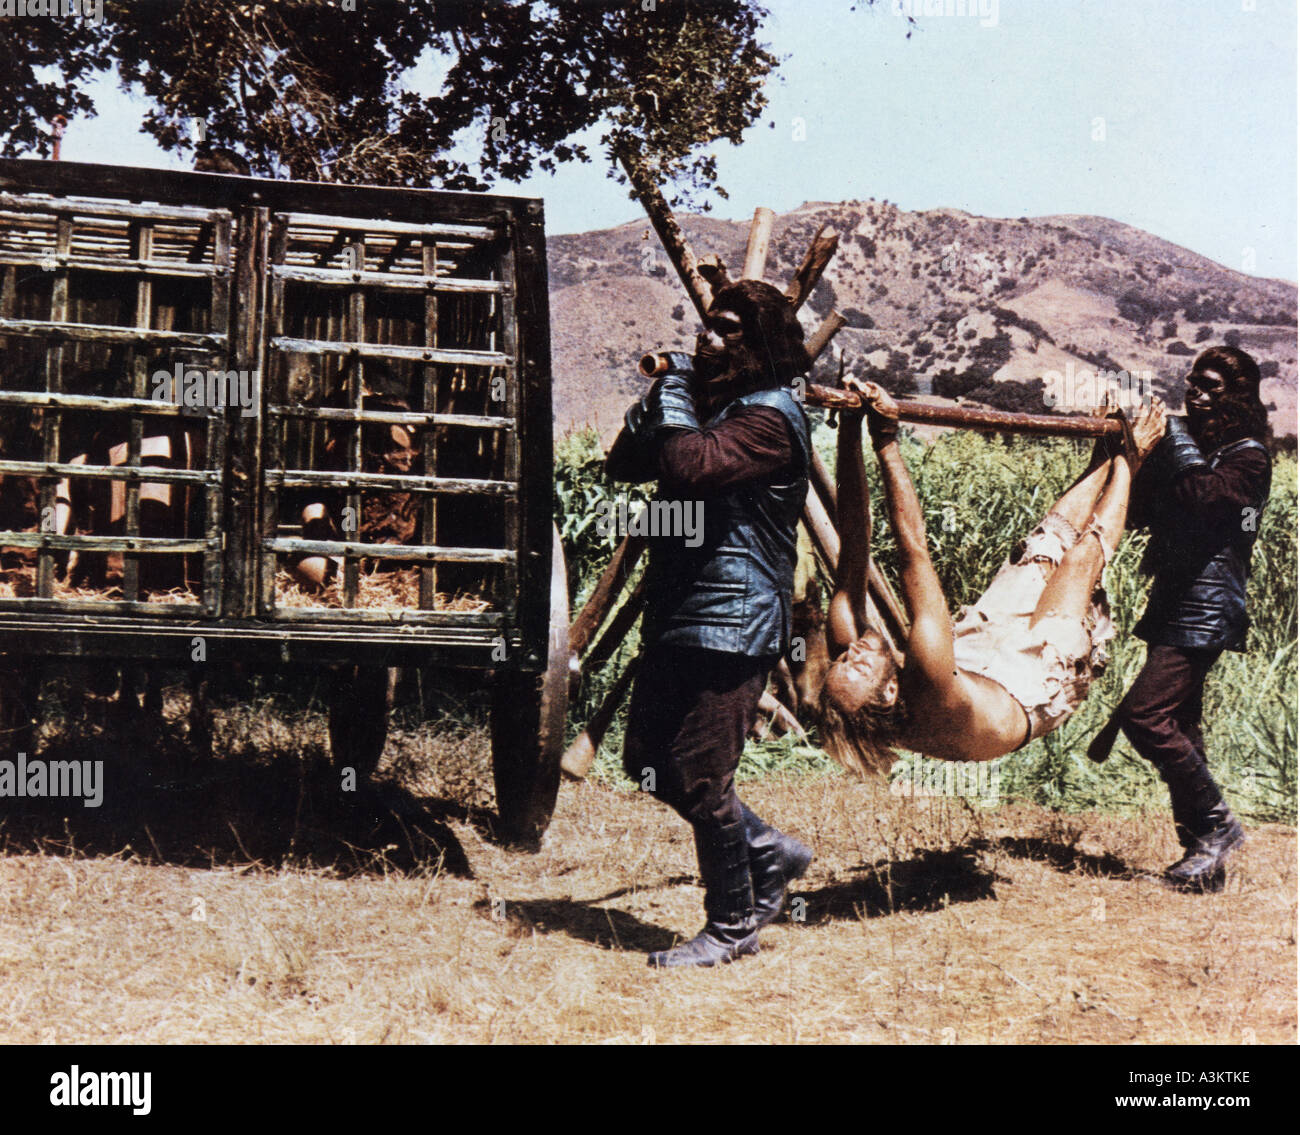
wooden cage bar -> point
(311, 288)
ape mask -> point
(1222, 399)
(752, 341)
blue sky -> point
(1177, 117)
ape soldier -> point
(1201, 497)
(723, 427)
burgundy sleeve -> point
(752, 444)
(1213, 497)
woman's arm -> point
(930, 641)
(847, 613)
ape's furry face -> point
(752, 341)
(1222, 399)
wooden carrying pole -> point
(968, 417)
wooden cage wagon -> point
(296, 423)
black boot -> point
(731, 931)
(1202, 868)
(775, 861)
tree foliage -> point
(313, 89)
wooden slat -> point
(389, 228)
(37, 398)
(403, 617)
(505, 331)
(355, 550)
(103, 607)
(120, 266)
(383, 351)
(87, 207)
(214, 436)
(342, 278)
(418, 418)
(273, 436)
(54, 359)
(58, 470)
(315, 200)
(429, 437)
(533, 374)
(107, 333)
(393, 482)
(355, 330)
(141, 249)
(146, 544)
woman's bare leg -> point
(1082, 498)
(1069, 590)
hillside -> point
(939, 303)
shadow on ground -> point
(1062, 855)
(608, 928)
(162, 805)
(930, 880)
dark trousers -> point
(1161, 717)
(691, 710)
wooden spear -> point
(577, 758)
(608, 588)
(670, 232)
(819, 255)
(760, 239)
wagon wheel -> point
(360, 699)
(528, 718)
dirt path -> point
(923, 922)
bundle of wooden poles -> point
(701, 279)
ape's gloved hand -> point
(669, 404)
(1177, 452)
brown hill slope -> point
(939, 302)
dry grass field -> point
(250, 902)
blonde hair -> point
(862, 740)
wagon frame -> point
(240, 231)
